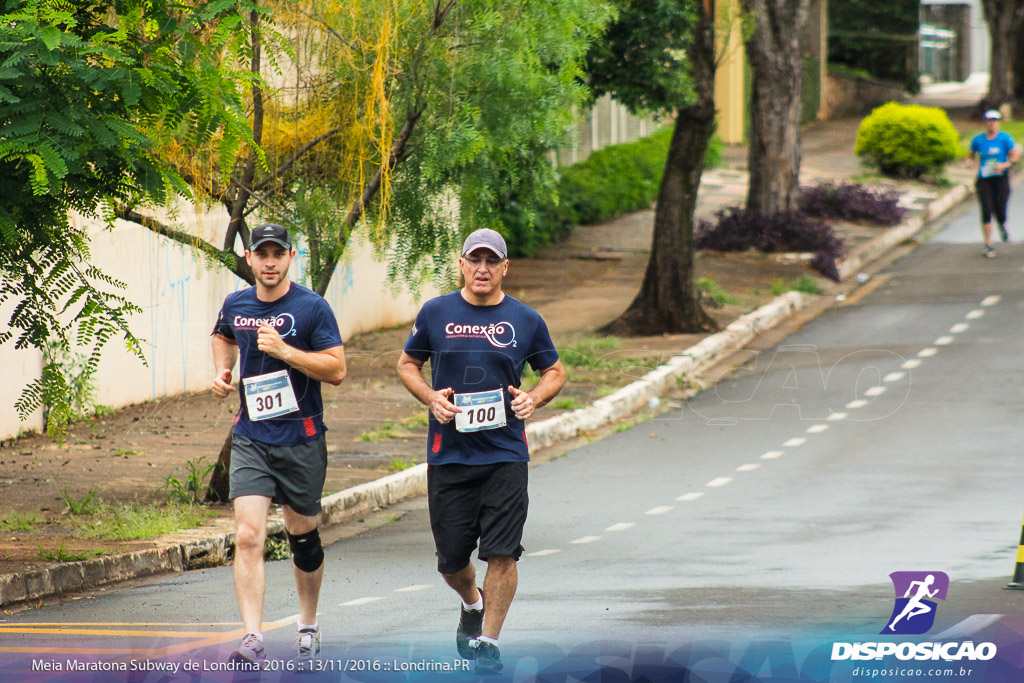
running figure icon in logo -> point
(914, 614)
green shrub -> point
(907, 141)
(612, 181)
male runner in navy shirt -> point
(478, 340)
(287, 339)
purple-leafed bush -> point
(736, 229)
(852, 202)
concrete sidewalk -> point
(828, 156)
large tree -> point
(82, 87)
(1005, 19)
(776, 100)
(396, 117)
(659, 55)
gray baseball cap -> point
(485, 238)
(269, 232)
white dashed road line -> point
(660, 510)
(749, 467)
(959, 327)
(585, 539)
(975, 314)
(413, 588)
(772, 455)
(718, 482)
(912, 364)
(360, 601)
(542, 553)
(817, 429)
(894, 377)
(621, 526)
(687, 497)
(875, 391)
(943, 341)
(793, 443)
(927, 353)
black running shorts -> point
(477, 502)
(288, 475)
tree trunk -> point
(1018, 60)
(1002, 17)
(218, 490)
(776, 104)
(668, 301)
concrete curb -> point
(200, 548)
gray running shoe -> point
(471, 625)
(488, 658)
(1003, 234)
(307, 645)
(989, 252)
(251, 650)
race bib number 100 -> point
(269, 395)
(480, 410)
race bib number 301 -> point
(480, 410)
(269, 395)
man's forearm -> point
(323, 366)
(551, 382)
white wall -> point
(180, 296)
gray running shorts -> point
(289, 475)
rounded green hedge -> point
(908, 141)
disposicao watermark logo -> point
(914, 613)
(916, 592)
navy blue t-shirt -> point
(475, 349)
(306, 322)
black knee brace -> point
(307, 553)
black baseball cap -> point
(269, 232)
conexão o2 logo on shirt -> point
(500, 334)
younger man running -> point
(478, 340)
(288, 340)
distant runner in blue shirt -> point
(478, 341)
(996, 151)
(287, 342)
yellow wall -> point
(729, 75)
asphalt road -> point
(746, 529)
